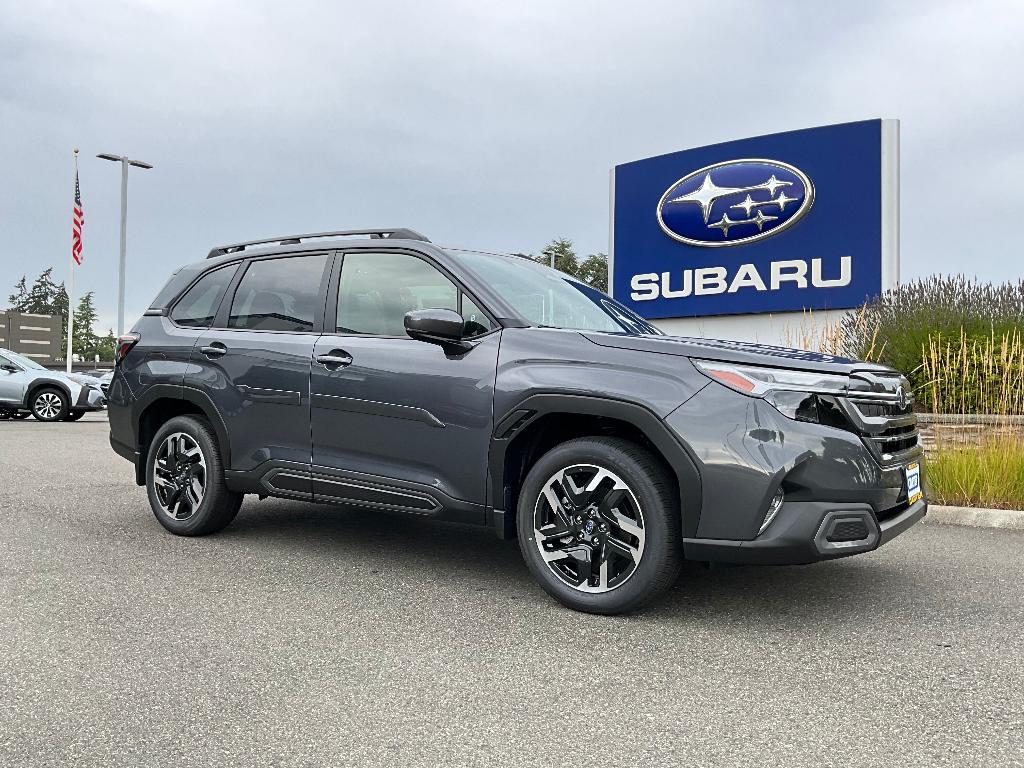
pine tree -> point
(594, 271)
(86, 342)
(60, 308)
(564, 256)
(42, 297)
(19, 299)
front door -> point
(12, 383)
(397, 422)
(254, 365)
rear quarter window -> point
(198, 307)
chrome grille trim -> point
(887, 426)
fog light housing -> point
(773, 510)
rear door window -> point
(279, 294)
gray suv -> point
(26, 387)
(375, 369)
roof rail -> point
(399, 233)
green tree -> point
(86, 343)
(564, 256)
(106, 345)
(593, 271)
(19, 299)
(42, 296)
(61, 302)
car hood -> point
(740, 352)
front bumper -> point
(90, 399)
(801, 534)
(840, 498)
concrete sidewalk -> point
(1010, 519)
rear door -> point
(254, 364)
(398, 422)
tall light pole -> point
(125, 162)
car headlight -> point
(85, 381)
(801, 395)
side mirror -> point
(437, 326)
(9, 367)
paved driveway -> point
(305, 635)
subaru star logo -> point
(902, 400)
(736, 202)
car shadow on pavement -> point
(854, 590)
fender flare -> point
(186, 394)
(677, 454)
(38, 384)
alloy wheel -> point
(589, 528)
(179, 476)
(48, 405)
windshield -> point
(551, 299)
(24, 362)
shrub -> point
(989, 475)
(956, 340)
(905, 316)
(973, 375)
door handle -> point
(336, 358)
(216, 349)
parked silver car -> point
(26, 387)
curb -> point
(976, 517)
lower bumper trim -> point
(799, 535)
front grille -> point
(888, 427)
(896, 439)
(878, 409)
(848, 530)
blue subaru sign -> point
(791, 221)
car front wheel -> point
(185, 479)
(50, 404)
(599, 525)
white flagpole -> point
(71, 279)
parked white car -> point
(26, 387)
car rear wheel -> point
(185, 479)
(50, 404)
(598, 525)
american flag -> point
(77, 221)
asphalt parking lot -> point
(306, 636)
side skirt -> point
(287, 480)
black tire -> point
(21, 415)
(217, 507)
(74, 415)
(4, 415)
(50, 404)
(652, 490)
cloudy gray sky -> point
(483, 124)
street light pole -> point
(124, 248)
(125, 162)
